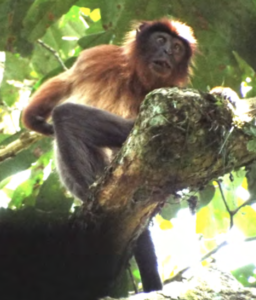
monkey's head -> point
(164, 50)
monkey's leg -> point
(80, 133)
(147, 262)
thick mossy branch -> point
(182, 138)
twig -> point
(231, 213)
(132, 280)
(55, 53)
(215, 250)
(226, 139)
(242, 205)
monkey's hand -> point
(43, 127)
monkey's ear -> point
(141, 27)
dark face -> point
(166, 52)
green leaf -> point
(206, 195)
(11, 23)
(245, 221)
(251, 179)
(244, 273)
(25, 194)
(42, 14)
(253, 131)
(95, 39)
(92, 4)
(251, 146)
(17, 68)
(24, 158)
(3, 137)
(243, 65)
(22, 191)
(51, 196)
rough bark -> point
(182, 138)
(205, 284)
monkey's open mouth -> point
(162, 64)
(161, 67)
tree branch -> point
(174, 144)
(55, 54)
(25, 140)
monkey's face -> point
(166, 53)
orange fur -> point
(109, 77)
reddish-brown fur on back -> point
(109, 77)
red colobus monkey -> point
(111, 82)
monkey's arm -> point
(37, 112)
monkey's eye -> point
(177, 48)
(160, 40)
